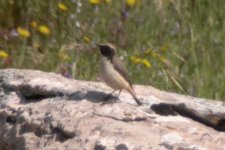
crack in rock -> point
(122, 119)
(166, 109)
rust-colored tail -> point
(131, 91)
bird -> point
(113, 72)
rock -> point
(175, 141)
(40, 110)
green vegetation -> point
(174, 45)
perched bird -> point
(113, 71)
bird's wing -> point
(118, 65)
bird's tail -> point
(131, 91)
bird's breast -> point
(111, 76)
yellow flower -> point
(44, 29)
(62, 6)
(23, 32)
(135, 60)
(3, 54)
(95, 2)
(86, 39)
(34, 24)
(146, 63)
(142, 61)
(131, 3)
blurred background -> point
(173, 45)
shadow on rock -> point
(92, 96)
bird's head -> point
(107, 50)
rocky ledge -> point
(40, 110)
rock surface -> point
(40, 110)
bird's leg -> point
(118, 96)
(108, 96)
(112, 92)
